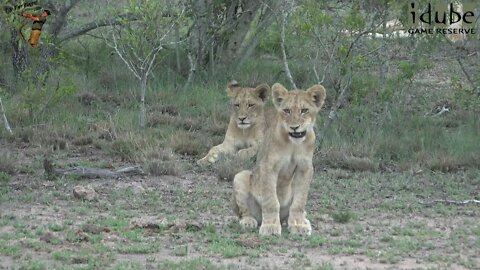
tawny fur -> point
(276, 190)
(247, 123)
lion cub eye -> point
(304, 111)
(236, 105)
(251, 105)
(287, 111)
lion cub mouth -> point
(297, 135)
(243, 125)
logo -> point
(454, 20)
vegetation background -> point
(142, 82)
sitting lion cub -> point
(277, 188)
(247, 123)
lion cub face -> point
(247, 103)
(297, 109)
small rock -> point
(94, 229)
(47, 237)
(137, 188)
(251, 242)
(85, 193)
(79, 260)
(146, 223)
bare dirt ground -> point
(360, 221)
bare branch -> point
(7, 125)
(94, 25)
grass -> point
(341, 233)
(379, 161)
(163, 162)
(186, 143)
(7, 162)
(201, 263)
(227, 167)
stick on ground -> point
(450, 202)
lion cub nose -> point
(294, 128)
(242, 118)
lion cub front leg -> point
(269, 203)
(244, 205)
(248, 153)
(297, 221)
(213, 154)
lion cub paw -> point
(248, 222)
(203, 162)
(270, 229)
(303, 228)
(245, 153)
(208, 160)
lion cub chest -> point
(288, 165)
(244, 143)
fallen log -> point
(84, 172)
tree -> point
(223, 31)
(138, 43)
(59, 28)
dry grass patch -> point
(227, 166)
(163, 162)
(157, 120)
(347, 161)
(83, 140)
(448, 163)
(7, 162)
(192, 124)
(186, 143)
(169, 109)
(86, 98)
(125, 149)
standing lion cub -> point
(277, 188)
(247, 123)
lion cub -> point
(277, 188)
(247, 123)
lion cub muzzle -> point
(243, 122)
(295, 133)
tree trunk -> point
(199, 35)
(285, 14)
(143, 111)
(264, 20)
(5, 120)
(54, 26)
(19, 54)
(240, 16)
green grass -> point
(383, 159)
(201, 263)
(226, 247)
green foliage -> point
(4, 178)
(355, 20)
(342, 216)
(464, 95)
(36, 98)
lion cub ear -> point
(262, 91)
(232, 88)
(317, 94)
(278, 94)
